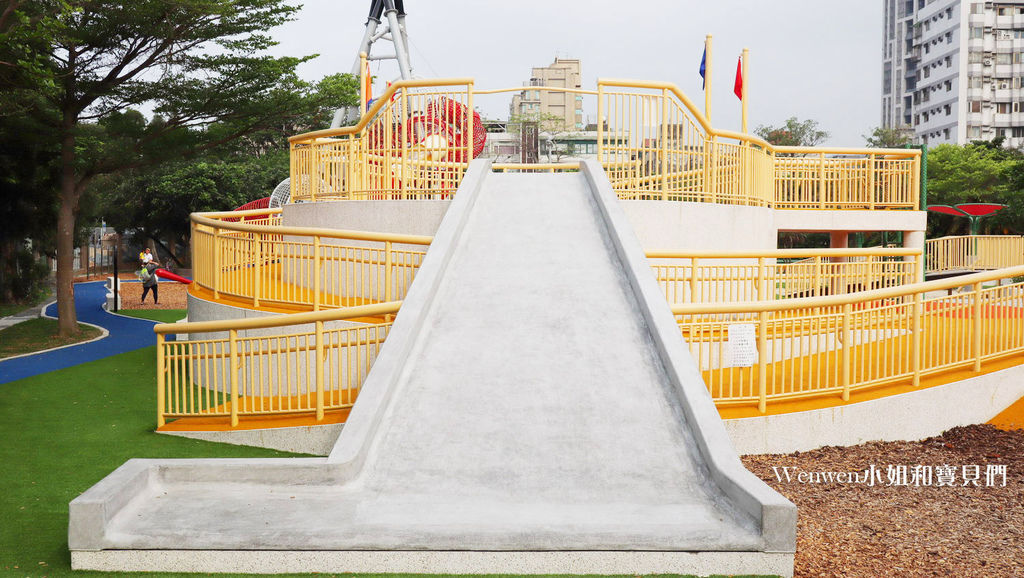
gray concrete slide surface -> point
(534, 395)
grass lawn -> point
(39, 334)
(61, 433)
(159, 315)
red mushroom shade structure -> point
(973, 211)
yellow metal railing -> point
(831, 346)
(722, 277)
(267, 264)
(673, 153)
(304, 371)
(415, 142)
(974, 253)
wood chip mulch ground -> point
(172, 296)
(962, 521)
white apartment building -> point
(952, 70)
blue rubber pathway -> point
(126, 334)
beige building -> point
(543, 104)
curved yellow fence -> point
(266, 264)
(834, 345)
(235, 367)
(652, 141)
(729, 276)
(974, 253)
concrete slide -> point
(534, 410)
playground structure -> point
(386, 280)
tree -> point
(197, 60)
(551, 129)
(794, 133)
(154, 203)
(883, 137)
(980, 172)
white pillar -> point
(915, 240)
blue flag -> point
(703, 64)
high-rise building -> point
(562, 73)
(952, 70)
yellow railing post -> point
(405, 171)
(762, 361)
(161, 380)
(917, 329)
(233, 371)
(762, 280)
(387, 271)
(319, 371)
(316, 272)
(600, 123)
(469, 123)
(847, 334)
(715, 176)
(871, 181)
(817, 275)
(216, 263)
(694, 262)
(257, 269)
(706, 170)
(821, 180)
(976, 327)
(664, 144)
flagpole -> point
(746, 55)
(707, 79)
(363, 74)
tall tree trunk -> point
(67, 317)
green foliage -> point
(79, 65)
(980, 172)
(888, 138)
(794, 133)
(156, 203)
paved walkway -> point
(126, 334)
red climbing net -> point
(444, 117)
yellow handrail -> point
(852, 298)
(785, 253)
(715, 276)
(379, 104)
(306, 372)
(207, 219)
(300, 266)
(820, 347)
(974, 252)
(342, 313)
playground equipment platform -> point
(469, 443)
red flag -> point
(737, 88)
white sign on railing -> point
(742, 344)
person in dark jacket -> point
(150, 282)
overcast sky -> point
(813, 59)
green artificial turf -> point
(63, 431)
(159, 315)
(39, 334)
